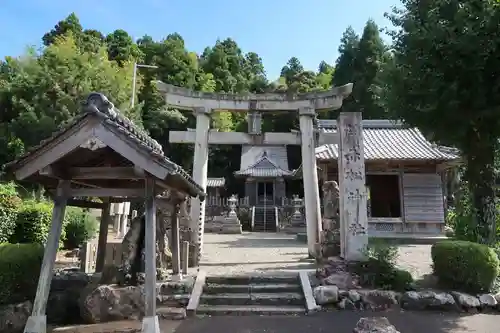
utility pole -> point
(134, 79)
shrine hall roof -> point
(388, 140)
(264, 161)
(98, 105)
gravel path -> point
(253, 253)
(277, 252)
(416, 259)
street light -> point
(136, 65)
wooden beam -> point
(51, 171)
(106, 192)
(85, 204)
(237, 138)
(106, 173)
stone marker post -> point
(353, 196)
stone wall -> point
(66, 307)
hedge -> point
(465, 266)
(19, 270)
(9, 203)
(33, 223)
(80, 226)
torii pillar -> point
(310, 176)
(200, 176)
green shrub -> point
(33, 223)
(465, 266)
(9, 204)
(80, 226)
(379, 269)
(19, 270)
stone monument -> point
(330, 243)
(229, 224)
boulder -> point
(346, 304)
(343, 280)
(109, 303)
(427, 300)
(466, 301)
(378, 299)
(13, 317)
(488, 300)
(326, 295)
(374, 325)
(354, 296)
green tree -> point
(345, 64)
(360, 62)
(369, 60)
(444, 78)
(324, 76)
(121, 47)
(43, 93)
(70, 24)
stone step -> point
(171, 313)
(179, 300)
(249, 310)
(253, 279)
(252, 288)
(276, 299)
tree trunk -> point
(481, 177)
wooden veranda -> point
(102, 154)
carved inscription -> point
(351, 175)
(356, 229)
(351, 130)
(355, 195)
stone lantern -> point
(232, 201)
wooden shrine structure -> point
(102, 154)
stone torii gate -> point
(348, 138)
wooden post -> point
(176, 258)
(185, 257)
(150, 322)
(103, 237)
(37, 322)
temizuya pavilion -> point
(101, 154)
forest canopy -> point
(441, 73)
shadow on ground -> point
(342, 322)
(262, 242)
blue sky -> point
(275, 29)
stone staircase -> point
(171, 304)
(265, 219)
(246, 295)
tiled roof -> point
(250, 155)
(264, 166)
(297, 173)
(98, 105)
(387, 140)
(216, 182)
(268, 172)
